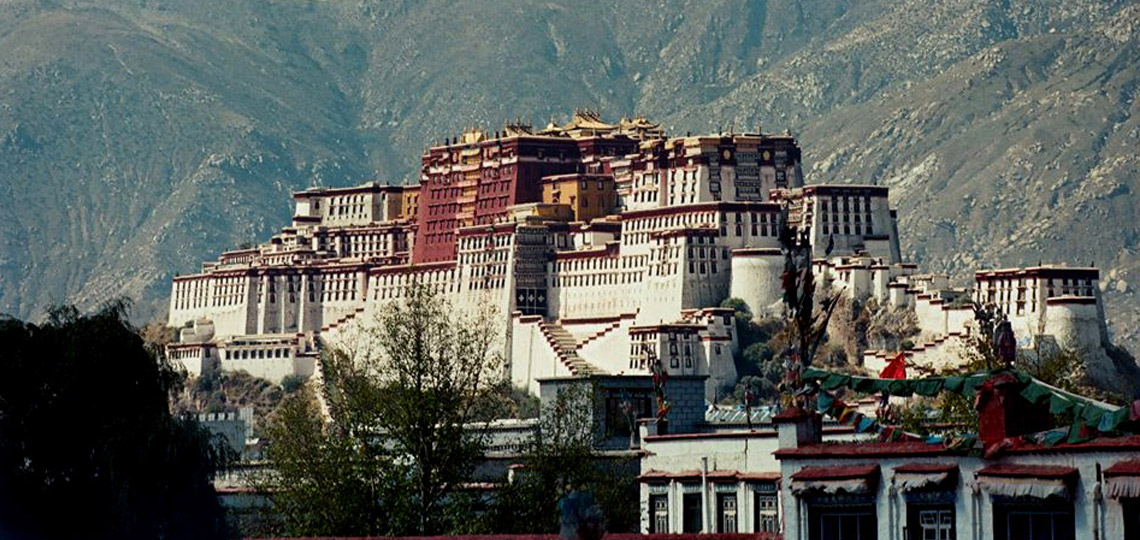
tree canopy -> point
(86, 432)
(400, 436)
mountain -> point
(140, 137)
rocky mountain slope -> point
(138, 138)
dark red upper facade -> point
(474, 183)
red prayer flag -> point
(896, 369)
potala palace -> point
(601, 246)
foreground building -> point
(602, 247)
(1016, 477)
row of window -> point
(589, 280)
(858, 228)
(848, 204)
(252, 354)
(726, 507)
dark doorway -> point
(1131, 509)
(691, 513)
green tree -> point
(292, 383)
(403, 404)
(561, 458)
(86, 433)
(331, 479)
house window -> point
(660, 522)
(931, 521)
(1038, 520)
(766, 509)
(726, 512)
(842, 521)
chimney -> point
(1004, 413)
(798, 427)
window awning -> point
(1122, 480)
(926, 476)
(722, 476)
(850, 480)
(654, 475)
(1040, 481)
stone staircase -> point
(566, 347)
(920, 353)
(600, 333)
(343, 321)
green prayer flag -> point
(1077, 432)
(1112, 420)
(953, 384)
(835, 380)
(1092, 414)
(814, 374)
(1036, 392)
(970, 387)
(1051, 438)
(928, 387)
(1059, 404)
(863, 384)
(900, 387)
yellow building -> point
(589, 196)
(410, 204)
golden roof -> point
(587, 119)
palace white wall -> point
(531, 357)
(610, 350)
(756, 280)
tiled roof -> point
(865, 449)
(1124, 468)
(1028, 471)
(836, 473)
(926, 467)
